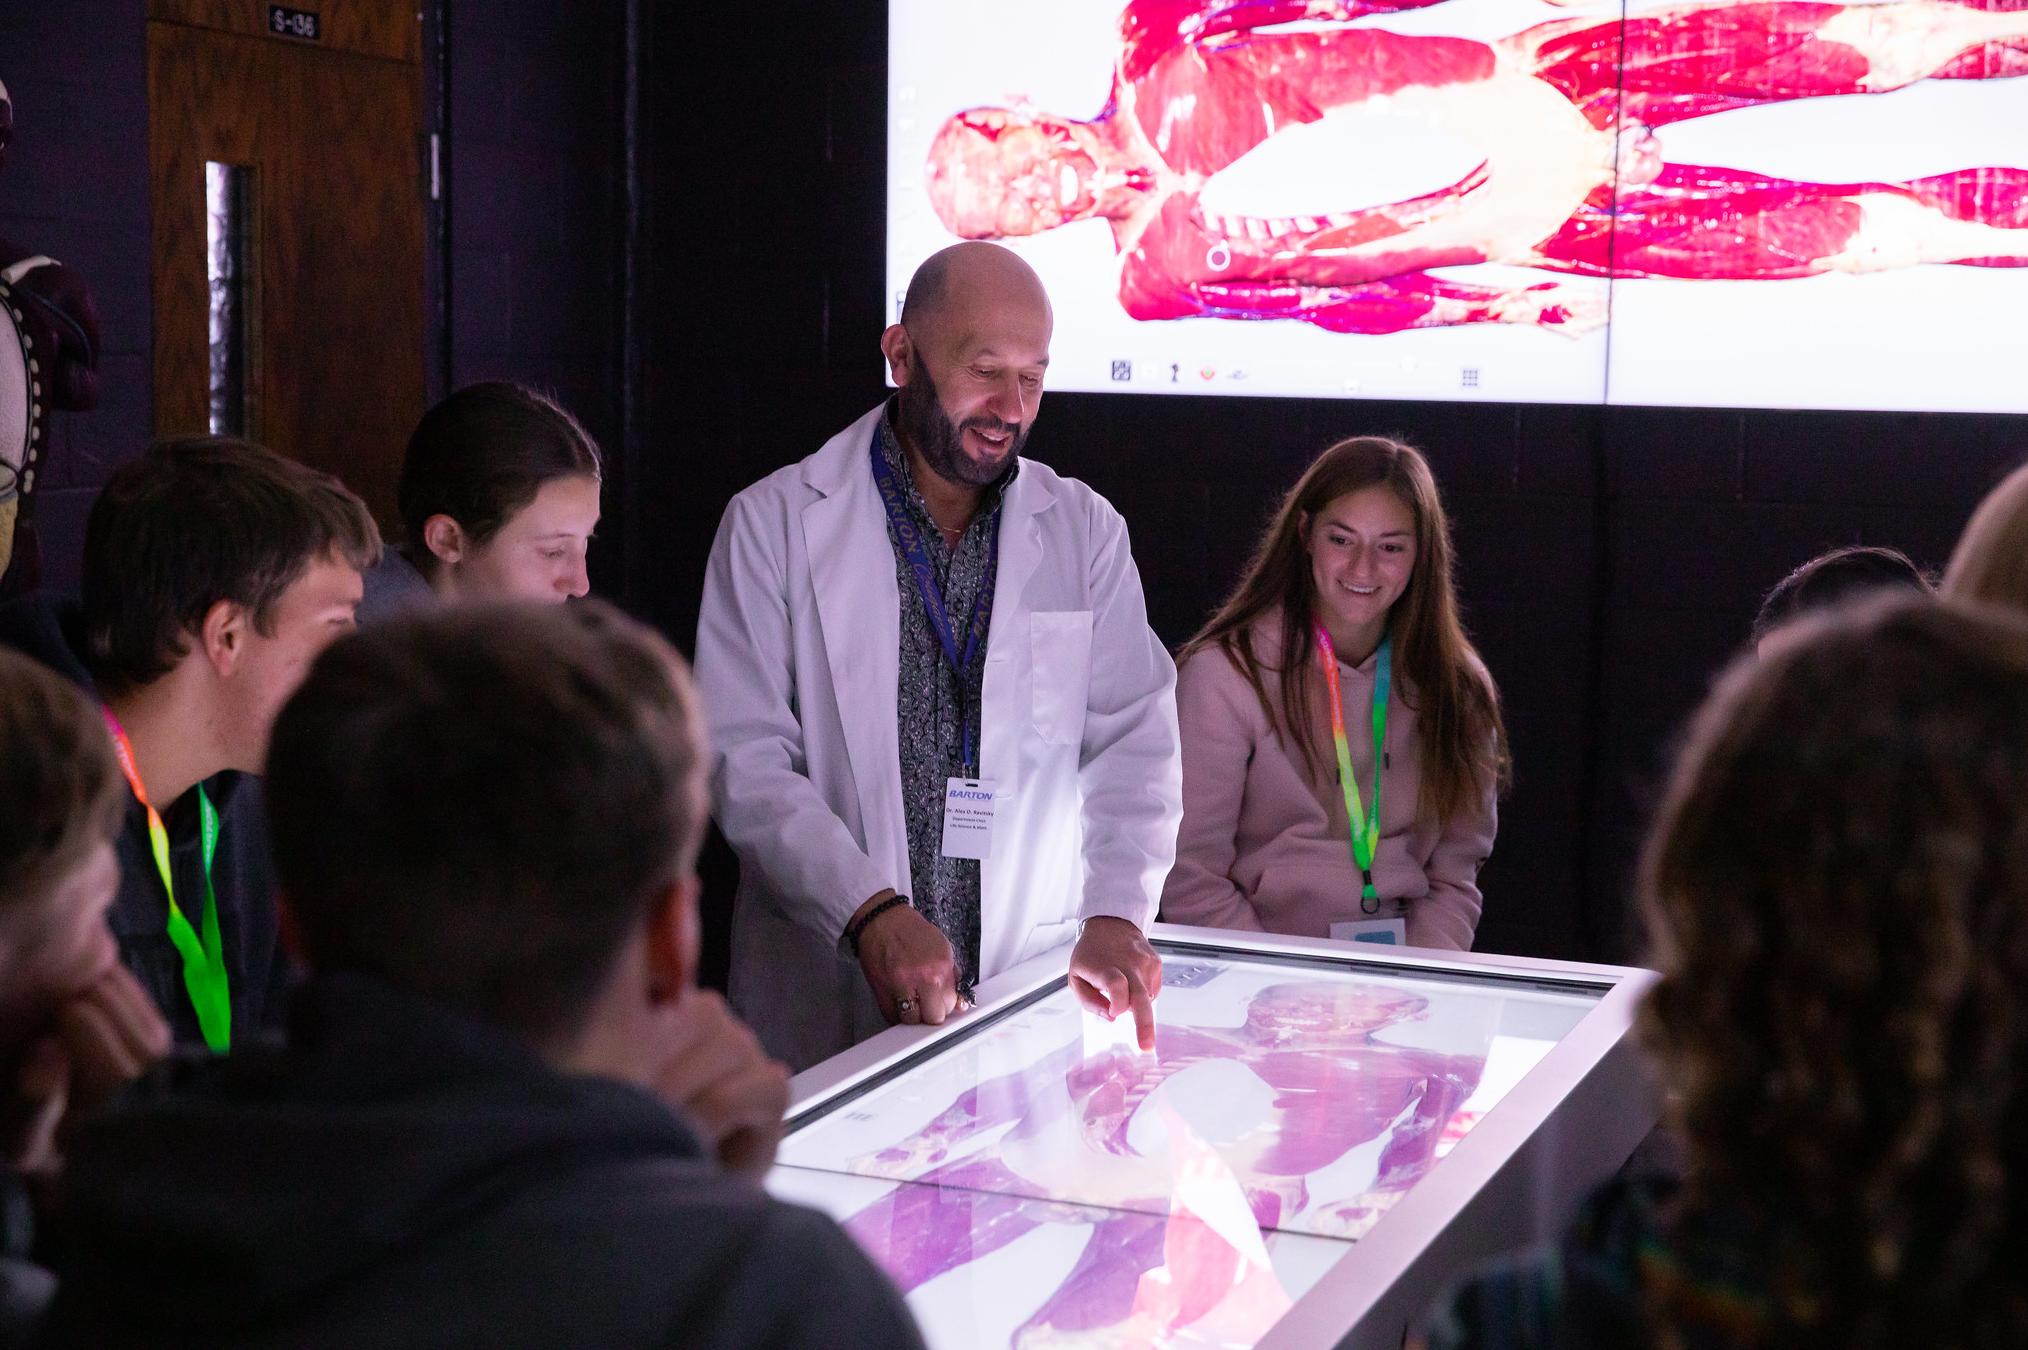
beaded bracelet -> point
(858, 927)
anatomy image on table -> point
(1542, 159)
(1183, 1196)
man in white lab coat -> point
(944, 736)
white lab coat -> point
(798, 659)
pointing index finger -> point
(1144, 1012)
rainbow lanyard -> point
(1365, 828)
(203, 962)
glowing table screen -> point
(1043, 1182)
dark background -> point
(672, 217)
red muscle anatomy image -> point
(1565, 117)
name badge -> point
(968, 817)
(1391, 932)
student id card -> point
(1390, 932)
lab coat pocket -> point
(1047, 938)
(1060, 678)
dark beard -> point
(922, 423)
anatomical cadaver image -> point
(1570, 119)
(1172, 1197)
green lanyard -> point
(203, 960)
(1365, 828)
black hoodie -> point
(258, 972)
(404, 1175)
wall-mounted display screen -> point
(1045, 1182)
(1754, 203)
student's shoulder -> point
(686, 1193)
(1208, 669)
(1220, 663)
(1215, 697)
(1479, 670)
(802, 1239)
(790, 1277)
(239, 798)
(774, 1240)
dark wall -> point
(534, 169)
(1703, 512)
(529, 263)
(1609, 560)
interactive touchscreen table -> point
(1323, 1134)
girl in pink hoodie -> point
(1287, 827)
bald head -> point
(970, 276)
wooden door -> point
(320, 112)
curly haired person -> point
(1837, 889)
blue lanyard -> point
(916, 552)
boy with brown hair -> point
(214, 571)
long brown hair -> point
(1463, 737)
(1837, 891)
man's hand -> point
(1113, 969)
(716, 1073)
(908, 961)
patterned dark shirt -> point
(931, 706)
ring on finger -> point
(904, 1005)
